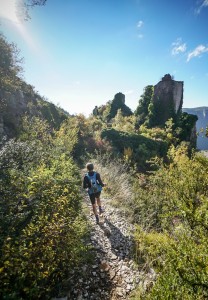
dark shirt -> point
(87, 183)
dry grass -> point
(117, 179)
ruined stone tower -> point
(168, 98)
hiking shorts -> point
(94, 196)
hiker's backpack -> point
(95, 187)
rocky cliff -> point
(202, 123)
(14, 104)
(108, 112)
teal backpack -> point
(95, 187)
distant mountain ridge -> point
(202, 114)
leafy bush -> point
(171, 208)
(143, 148)
(122, 123)
(42, 229)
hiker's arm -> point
(100, 180)
(85, 183)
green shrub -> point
(171, 208)
(42, 228)
(143, 148)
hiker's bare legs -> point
(98, 201)
(99, 205)
(94, 208)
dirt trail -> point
(113, 274)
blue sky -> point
(80, 53)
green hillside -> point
(17, 98)
(154, 177)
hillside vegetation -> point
(42, 226)
(153, 173)
(17, 98)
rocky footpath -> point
(113, 273)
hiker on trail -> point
(93, 183)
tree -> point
(10, 62)
(142, 109)
(35, 2)
(25, 6)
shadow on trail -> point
(121, 245)
(89, 282)
(99, 278)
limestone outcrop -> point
(201, 124)
(15, 104)
(108, 112)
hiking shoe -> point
(101, 211)
(97, 219)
